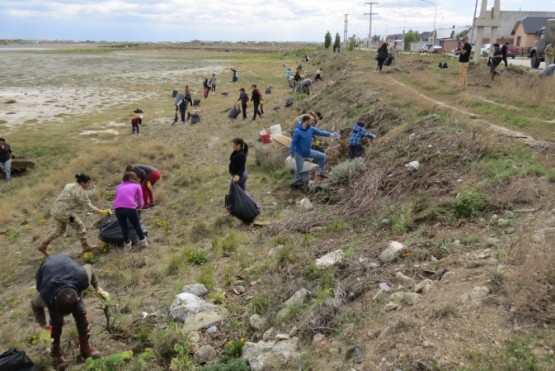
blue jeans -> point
(7, 168)
(123, 214)
(317, 156)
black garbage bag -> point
(234, 112)
(268, 90)
(240, 204)
(16, 360)
(196, 102)
(289, 102)
(174, 93)
(195, 118)
(110, 230)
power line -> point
(370, 24)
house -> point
(524, 31)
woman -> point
(128, 197)
(188, 97)
(381, 56)
(206, 88)
(244, 98)
(148, 177)
(237, 162)
(63, 211)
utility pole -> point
(370, 24)
(345, 30)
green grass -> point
(469, 204)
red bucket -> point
(265, 137)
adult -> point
(318, 76)
(182, 107)
(212, 82)
(127, 198)
(188, 96)
(315, 117)
(238, 161)
(504, 50)
(205, 88)
(301, 144)
(135, 122)
(235, 75)
(356, 149)
(244, 98)
(549, 53)
(256, 97)
(305, 86)
(464, 59)
(148, 177)
(6, 159)
(495, 60)
(288, 73)
(393, 53)
(72, 196)
(60, 282)
(381, 56)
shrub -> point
(346, 171)
(195, 256)
(469, 203)
(236, 364)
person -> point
(549, 52)
(495, 60)
(318, 74)
(235, 76)
(356, 149)
(148, 176)
(212, 82)
(307, 58)
(337, 46)
(182, 106)
(135, 122)
(188, 97)
(244, 98)
(301, 147)
(288, 73)
(393, 53)
(127, 198)
(238, 161)
(205, 88)
(315, 117)
(6, 159)
(63, 212)
(381, 56)
(60, 282)
(504, 50)
(464, 59)
(256, 97)
(300, 68)
(306, 86)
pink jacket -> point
(128, 195)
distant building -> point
(524, 31)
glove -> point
(335, 135)
(103, 295)
(236, 178)
(105, 212)
(44, 335)
(149, 185)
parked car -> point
(484, 50)
(512, 51)
(432, 49)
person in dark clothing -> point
(464, 60)
(205, 88)
(6, 159)
(135, 122)
(504, 50)
(148, 177)
(238, 161)
(235, 76)
(60, 282)
(356, 149)
(256, 97)
(182, 106)
(381, 56)
(244, 98)
(188, 97)
(495, 60)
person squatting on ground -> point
(244, 98)
(129, 197)
(6, 159)
(495, 60)
(318, 76)
(238, 161)
(182, 107)
(205, 88)
(63, 212)
(60, 282)
(148, 177)
(135, 122)
(235, 75)
(256, 97)
(212, 82)
(464, 59)
(381, 56)
(301, 144)
(356, 149)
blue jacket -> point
(302, 140)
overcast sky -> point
(242, 20)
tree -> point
(327, 40)
(410, 37)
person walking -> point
(464, 59)
(495, 60)
(301, 144)
(135, 122)
(381, 56)
(238, 161)
(205, 88)
(356, 149)
(549, 53)
(60, 282)
(182, 106)
(188, 97)
(129, 197)
(244, 98)
(504, 50)
(148, 176)
(256, 97)
(6, 159)
(72, 196)
(212, 82)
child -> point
(128, 197)
(356, 149)
(237, 162)
(135, 122)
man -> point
(212, 82)
(356, 149)
(504, 50)
(315, 117)
(256, 97)
(6, 159)
(464, 59)
(60, 282)
(495, 60)
(301, 144)
(549, 52)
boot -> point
(86, 350)
(42, 248)
(142, 243)
(59, 362)
(86, 247)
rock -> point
(212, 330)
(269, 157)
(403, 280)
(447, 277)
(197, 289)
(395, 328)
(269, 334)
(275, 250)
(195, 312)
(492, 241)
(205, 354)
(257, 322)
(424, 287)
(494, 219)
(508, 214)
(330, 259)
(305, 204)
(239, 290)
(475, 296)
(318, 338)
(297, 298)
(281, 337)
(373, 265)
(482, 254)
(408, 298)
(391, 306)
(510, 230)
(427, 344)
(194, 341)
(271, 355)
(412, 166)
(293, 332)
(393, 251)
(501, 222)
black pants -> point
(256, 111)
(123, 214)
(380, 63)
(244, 108)
(356, 151)
(182, 111)
(505, 60)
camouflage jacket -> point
(72, 196)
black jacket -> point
(237, 162)
(6, 153)
(59, 272)
(256, 96)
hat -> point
(138, 110)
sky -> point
(226, 20)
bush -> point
(346, 171)
(468, 204)
(235, 364)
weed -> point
(10, 101)
(235, 364)
(346, 171)
(199, 231)
(164, 340)
(285, 256)
(174, 265)
(469, 204)
(432, 213)
(260, 302)
(206, 277)
(109, 363)
(337, 226)
(228, 244)
(400, 219)
(195, 256)
(217, 296)
(182, 360)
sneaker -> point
(127, 245)
(142, 243)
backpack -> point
(289, 102)
(174, 93)
(234, 112)
(240, 204)
(16, 360)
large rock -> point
(475, 296)
(269, 157)
(406, 298)
(197, 289)
(257, 322)
(393, 251)
(195, 312)
(272, 355)
(297, 298)
(205, 354)
(330, 259)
